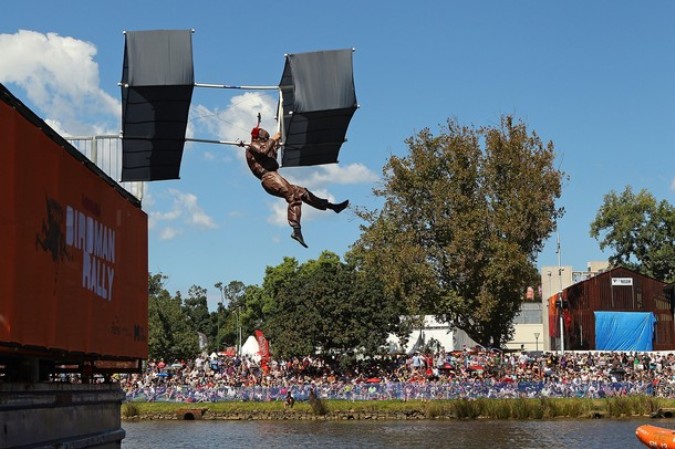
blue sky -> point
(596, 78)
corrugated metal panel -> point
(74, 248)
(644, 294)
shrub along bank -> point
(520, 408)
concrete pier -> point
(53, 415)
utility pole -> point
(560, 300)
(239, 326)
(219, 286)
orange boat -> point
(656, 437)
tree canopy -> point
(327, 304)
(171, 334)
(465, 214)
(639, 231)
(228, 315)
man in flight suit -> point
(261, 156)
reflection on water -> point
(478, 434)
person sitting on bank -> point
(289, 401)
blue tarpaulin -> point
(624, 331)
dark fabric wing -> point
(157, 86)
(318, 101)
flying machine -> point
(317, 101)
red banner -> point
(264, 346)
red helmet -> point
(259, 133)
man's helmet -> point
(259, 133)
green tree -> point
(373, 314)
(232, 302)
(276, 307)
(157, 295)
(639, 230)
(196, 308)
(325, 304)
(170, 335)
(256, 308)
(465, 214)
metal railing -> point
(106, 152)
(475, 389)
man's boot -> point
(297, 235)
(338, 207)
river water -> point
(478, 434)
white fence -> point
(106, 153)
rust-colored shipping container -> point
(73, 249)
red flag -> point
(264, 346)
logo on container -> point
(51, 238)
(96, 242)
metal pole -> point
(280, 117)
(120, 136)
(560, 298)
(222, 300)
(239, 325)
(100, 136)
(611, 290)
(230, 86)
(221, 142)
(94, 150)
(562, 327)
(192, 139)
(221, 86)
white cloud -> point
(171, 215)
(231, 124)
(148, 198)
(672, 185)
(234, 122)
(61, 78)
(185, 211)
(279, 214)
(323, 175)
(186, 204)
(169, 233)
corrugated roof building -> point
(621, 291)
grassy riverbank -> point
(521, 408)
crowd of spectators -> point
(459, 374)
